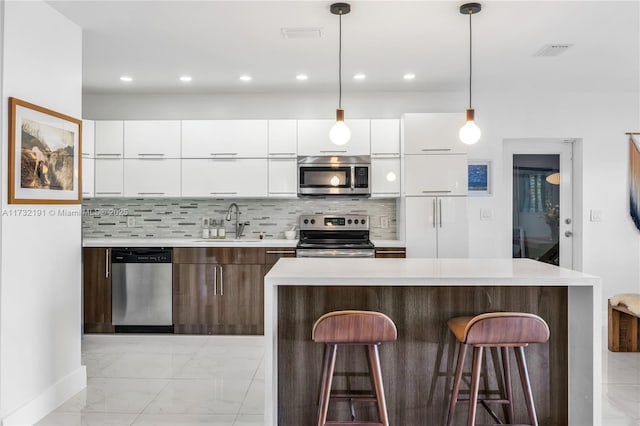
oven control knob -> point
(306, 221)
(362, 221)
(356, 221)
(349, 221)
(313, 221)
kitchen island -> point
(419, 295)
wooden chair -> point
(353, 328)
(502, 330)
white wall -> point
(40, 287)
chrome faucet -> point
(239, 227)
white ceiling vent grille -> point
(297, 33)
(554, 49)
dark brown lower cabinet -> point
(96, 282)
(218, 290)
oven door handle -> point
(335, 253)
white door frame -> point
(570, 155)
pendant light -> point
(470, 132)
(340, 133)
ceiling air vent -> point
(554, 49)
(301, 32)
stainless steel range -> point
(334, 236)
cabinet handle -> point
(215, 281)
(281, 252)
(282, 158)
(435, 149)
(150, 154)
(106, 263)
(109, 193)
(440, 213)
(224, 153)
(111, 155)
(222, 193)
(86, 154)
(325, 152)
(282, 153)
(435, 192)
(434, 212)
(282, 193)
(221, 283)
(151, 193)
(386, 154)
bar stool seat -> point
(365, 328)
(496, 329)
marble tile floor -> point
(219, 381)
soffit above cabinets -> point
(217, 41)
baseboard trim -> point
(49, 400)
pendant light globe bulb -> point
(339, 133)
(470, 133)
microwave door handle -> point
(353, 178)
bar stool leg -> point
(376, 372)
(327, 379)
(526, 385)
(462, 354)
(506, 367)
(475, 384)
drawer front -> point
(219, 255)
(391, 252)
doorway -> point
(540, 190)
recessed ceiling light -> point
(126, 79)
(359, 76)
(302, 77)
(185, 78)
(409, 76)
(245, 77)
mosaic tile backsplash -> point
(182, 218)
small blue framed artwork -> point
(479, 177)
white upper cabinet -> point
(435, 174)
(224, 177)
(152, 139)
(109, 136)
(152, 178)
(88, 174)
(385, 177)
(283, 182)
(88, 139)
(313, 138)
(224, 138)
(283, 138)
(385, 138)
(433, 133)
(108, 177)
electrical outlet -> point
(131, 221)
(384, 222)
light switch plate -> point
(595, 215)
(486, 214)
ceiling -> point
(215, 42)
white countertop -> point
(199, 242)
(520, 272)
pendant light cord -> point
(340, 62)
(470, 60)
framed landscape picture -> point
(44, 155)
(479, 177)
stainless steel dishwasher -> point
(142, 291)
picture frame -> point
(45, 160)
(479, 177)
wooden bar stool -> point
(502, 330)
(353, 328)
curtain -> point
(634, 181)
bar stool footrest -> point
(354, 424)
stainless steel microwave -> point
(334, 175)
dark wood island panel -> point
(418, 368)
